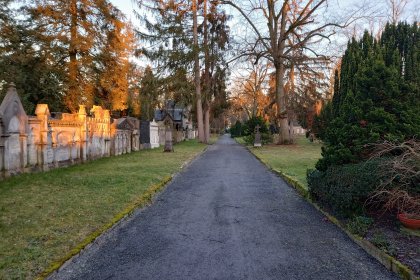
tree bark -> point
(197, 81)
(282, 120)
(71, 99)
(206, 77)
(207, 122)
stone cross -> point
(257, 140)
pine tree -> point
(114, 65)
(378, 97)
(71, 32)
(176, 41)
(33, 71)
(149, 94)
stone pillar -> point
(2, 150)
(42, 113)
(54, 147)
(23, 150)
(83, 132)
(3, 156)
(71, 145)
(168, 136)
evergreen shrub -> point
(344, 189)
(236, 130)
(376, 96)
(249, 130)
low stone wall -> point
(29, 143)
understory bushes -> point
(389, 180)
(247, 130)
(345, 188)
(236, 130)
(265, 138)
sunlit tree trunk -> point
(282, 120)
(71, 95)
(197, 81)
(207, 121)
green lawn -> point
(44, 216)
(292, 160)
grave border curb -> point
(386, 260)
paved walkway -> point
(225, 217)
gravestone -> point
(154, 135)
(257, 140)
(145, 134)
(168, 122)
(14, 132)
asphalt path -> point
(225, 216)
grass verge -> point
(45, 218)
(290, 160)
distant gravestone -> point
(257, 140)
(145, 134)
(168, 122)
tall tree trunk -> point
(207, 122)
(207, 81)
(71, 99)
(197, 81)
(282, 120)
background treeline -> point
(372, 125)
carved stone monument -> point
(168, 133)
(154, 134)
(14, 132)
(257, 140)
(45, 141)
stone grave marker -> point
(168, 121)
(257, 140)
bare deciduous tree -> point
(200, 125)
(396, 9)
(250, 94)
(286, 38)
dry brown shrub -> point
(399, 188)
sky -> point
(336, 8)
(126, 6)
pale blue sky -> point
(126, 6)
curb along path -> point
(226, 216)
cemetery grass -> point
(43, 216)
(292, 160)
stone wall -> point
(40, 142)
